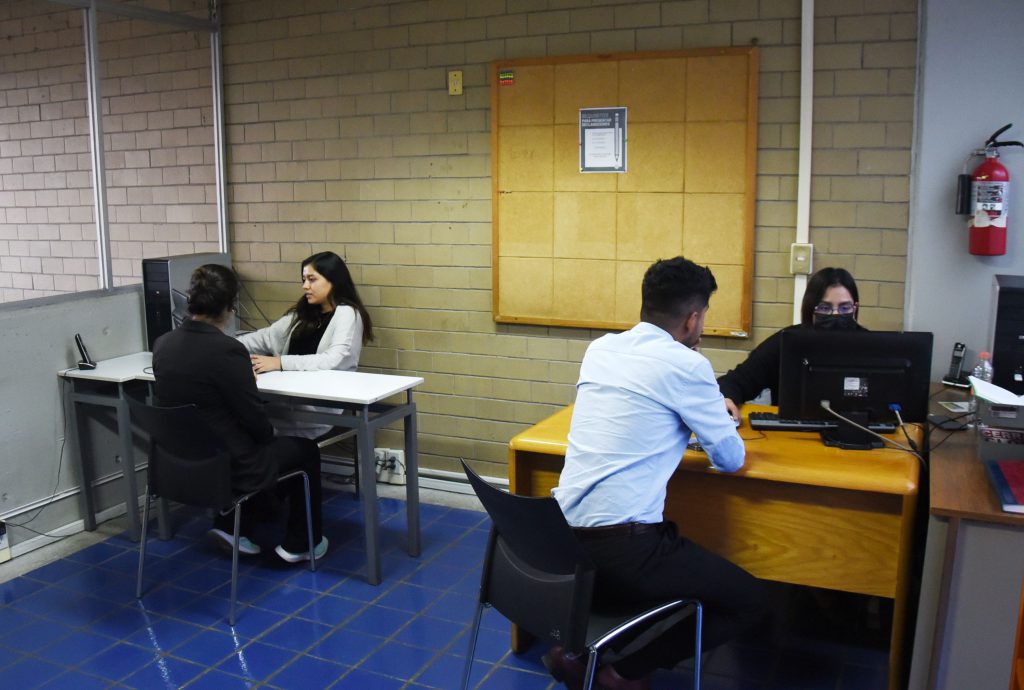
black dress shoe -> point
(609, 679)
(564, 668)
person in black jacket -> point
(199, 364)
(830, 302)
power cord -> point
(60, 466)
(247, 323)
(949, 432)
(896, 410)
(389, 463)
(827, 406)
(255, 304)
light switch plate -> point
(801, 258)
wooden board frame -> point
(590, 275)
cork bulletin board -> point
(570, 247)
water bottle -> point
(982, 370)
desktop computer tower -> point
(1007, 332)
(165, 282)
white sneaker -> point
(224, 540)
(318, 552)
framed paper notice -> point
(570, 245)
(602, 140)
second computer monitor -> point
(860, 373)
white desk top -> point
(116, 370)
(355, 387)
(340, 386)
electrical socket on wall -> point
(5, 543)
(390, 464)
(455, 82)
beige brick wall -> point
(341, 136)
(47, 240)
(158, 143)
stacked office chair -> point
(536, 574)
(188, 466)
(337, 435)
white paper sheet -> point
(994, 394)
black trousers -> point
(293, 453)
(287, 453)
(658, 565)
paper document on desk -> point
(993, 393)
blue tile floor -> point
(75, 623)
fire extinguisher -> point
(983, 195)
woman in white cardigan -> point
(325, 329)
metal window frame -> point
(90, 8)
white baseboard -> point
(438, 480)
(39, 541)
(455, 482)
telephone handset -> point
(86, 362)
(955, 376)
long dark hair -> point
(819, 284)
(212, 290)
(343, 291)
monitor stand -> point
(849, 437)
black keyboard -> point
(769, 421)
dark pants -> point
(292, 454)
(287, 453)
(658, 565)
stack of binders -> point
(1000, 432)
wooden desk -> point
(108, 384)
(974, 568)
(960, 488)
(798, 512)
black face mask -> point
(835, 322)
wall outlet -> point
(390, 464)
(5, 543)
(455, 82)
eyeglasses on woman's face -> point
(827, 308)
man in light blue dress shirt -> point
(640, 395)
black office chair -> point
(536, 574)
(187, 465)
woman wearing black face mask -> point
(830, 303)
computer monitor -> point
(860, 373)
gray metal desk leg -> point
(124, 435)
(942, 610)
(78, 432)
(412, 479)
(368, 489)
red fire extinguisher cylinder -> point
(990, 183)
